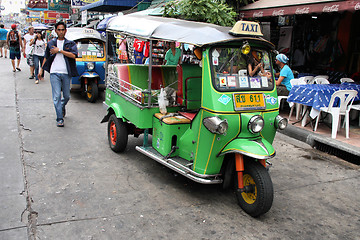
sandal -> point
(60, 123)
(14, 70)
(18, 69)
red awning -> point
(268, 8)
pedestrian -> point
(283, 85)
(60, 62)
(39, 45)
(28, 52)
(172, 56)
(3, 44)
(15, 44)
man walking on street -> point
(60, 62)
(13, 40)
(28, 50)
(3, 44)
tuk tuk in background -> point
(90, 62)
(213, 122)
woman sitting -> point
(284, 76)
(255, 66)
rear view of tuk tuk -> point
(212, 122)
(90, 62)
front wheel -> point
(117, 134)
(92, 92)
(258, 194)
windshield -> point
(90, 48)
(234, 71)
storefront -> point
(320, 37)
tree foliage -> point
(210, 11)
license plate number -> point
(88, 57)
(249, 101)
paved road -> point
(65, 183)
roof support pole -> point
(150, 73)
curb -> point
(313, 139)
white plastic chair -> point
(280, 98)
(342, 80)
(346, 98)
(298, 106)
(309, 79)
(316, 77)
(321, 81)
(356, 107)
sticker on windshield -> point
(224, 99)
(243, 82)
(264, 82)
(222, 81)
(231, 81)
(255, 82)
(215, 57)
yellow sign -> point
(89, 57)
(249, 101)
(246, 28)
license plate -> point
(89, 57)
(249, 101)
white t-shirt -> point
(28, 38)
(59, 64)
(39, 49)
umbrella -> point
(102, 25)
(40, 26)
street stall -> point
(320, 37)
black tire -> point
(258, 198)
(92, 92)
(117, 134)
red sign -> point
(328, 7)
(57, 15)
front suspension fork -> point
(239, 167)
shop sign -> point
(280, 12)
(333, 8)
(51, 15)
(33, 14)
(58, 5)
(304, 10)
(37, 5)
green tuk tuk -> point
(213, 122)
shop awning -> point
(110, 5)
(268, 8)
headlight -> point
(280, 122)
(216, 125)
(256, 124)
(90, 66)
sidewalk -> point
(348, 149)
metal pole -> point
(150, 73)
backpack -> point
(13, 38)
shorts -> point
(15, 52)
(3, 44)
(30, 60)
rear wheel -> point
(117, 134)
(92, 92)
(258, 194)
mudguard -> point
(257, 148)
(90, 75)
(113, 108)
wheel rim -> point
(249, 197)
(113, 133)
(89, 91)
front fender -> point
(89, 75)
(258, 148)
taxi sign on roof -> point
(246, 28)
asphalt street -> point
(66, 183)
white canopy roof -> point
(150, 27)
